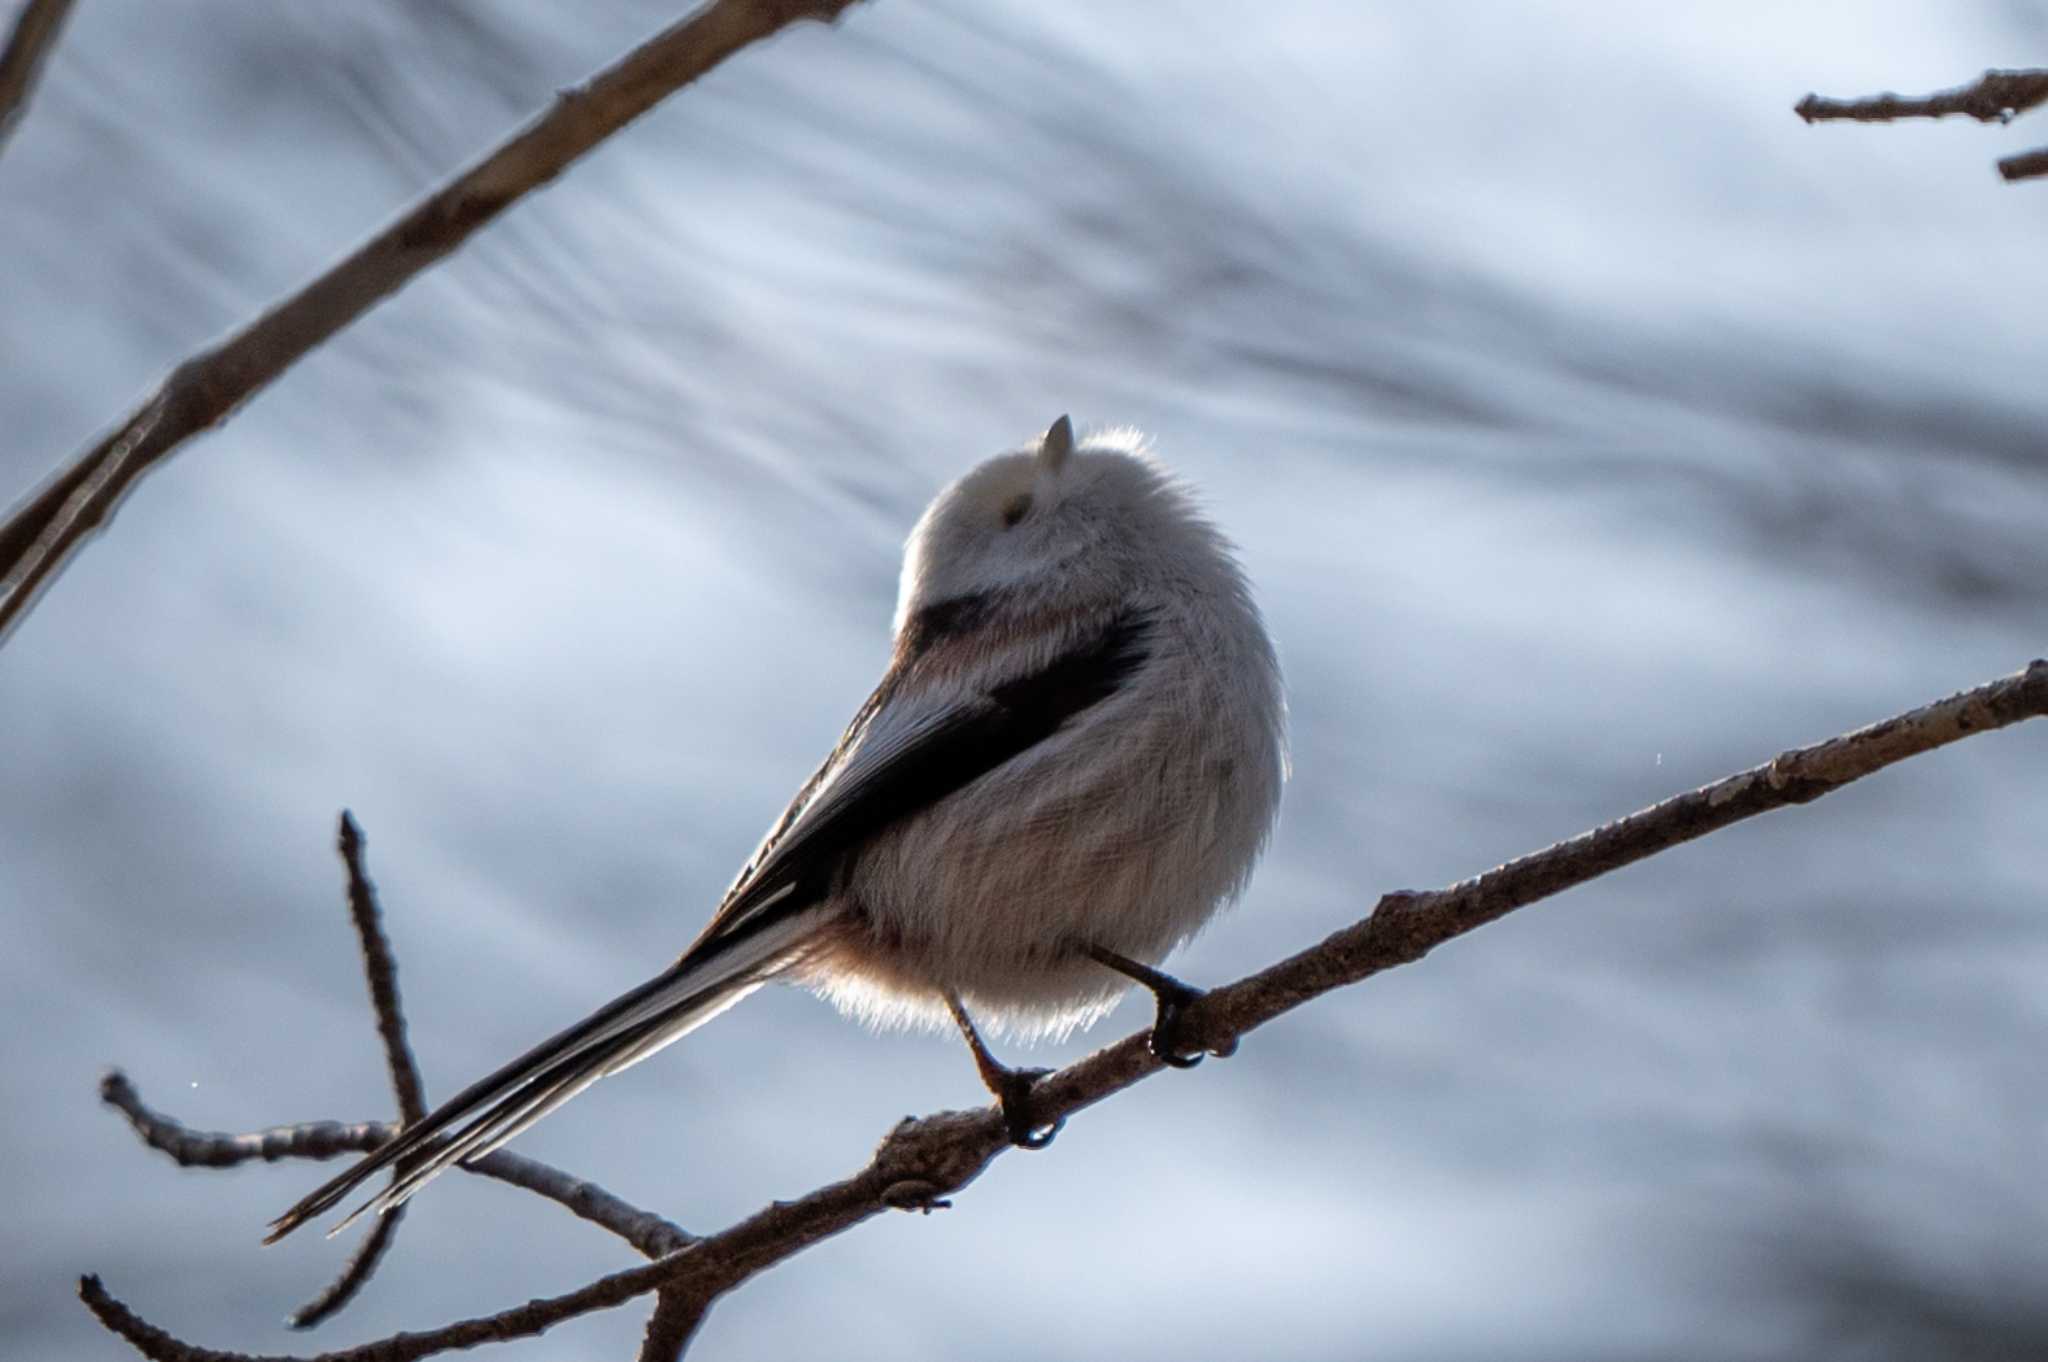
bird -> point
(1071, 763)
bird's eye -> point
(1015, 510)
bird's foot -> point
(1171, 1042)
(1012, 1088)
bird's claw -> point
(1169, 1045)
(1026, 1132)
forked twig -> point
(651, 1234)
(647, 1232)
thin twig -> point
(924, 1160)
(21, 64)
(2028, 165)
(42, 533)
(647, 1232)
(380, 969)
(362, 1265)
(1995, 97)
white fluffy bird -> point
(1071, 763)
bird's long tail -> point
(712, 977)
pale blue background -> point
(1591, 427)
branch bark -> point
(21, 63)
(672, 1325)
(924, 1160)
(647, 1232)
(380, 969)
(44, 531)
(1994, 97)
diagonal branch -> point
(1995, 97)
(21, 64)
(922, 1161)
(42, 533)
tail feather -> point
(507, 1101)
(547, 1090)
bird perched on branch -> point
(1069, 766)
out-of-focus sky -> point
(1590, 426)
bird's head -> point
(1061, 525)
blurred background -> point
(1591, 428)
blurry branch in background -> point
(21, 64)
(1997, 97)
(42, 533)
(924, 1160)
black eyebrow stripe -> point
(947, 619)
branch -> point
(1996, 97)
(362, 1265)
(671, 1326)
(920, 1155)
(380, 968)
(42, 533)
(21, 65)
(2028, 165)
(650, 1234)
(924, 1160)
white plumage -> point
(1070, 765)
(1131, 825)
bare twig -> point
(380, 969)
(21, 64)
(43, 532)
(2028, 165)
(948, 1149)
(1995, 97)
(190, 1148)
(924, 1160)
(650, 1234)
(362, 1265)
